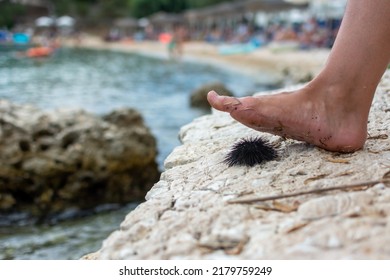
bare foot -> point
(325, 118)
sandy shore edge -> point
(271, 65)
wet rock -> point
(53, 161)
(199, 96)
(124, 117)
(6, 201)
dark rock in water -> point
(199, 96)
(51, 162)
(124, 117)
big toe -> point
(222, 103)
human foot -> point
(305, 115)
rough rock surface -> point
(52, 161)
(187, 214)
(199, 96)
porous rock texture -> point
(67, 159)
(188, 214)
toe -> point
(223, 103)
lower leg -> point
(332, 110)
(361, 51)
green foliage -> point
(8, 12)
(143, 8)
(98, 10)
(203, 3)
(61, 7)
(72, 7)
(114, 8)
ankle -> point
(342, 118)
(346, 96)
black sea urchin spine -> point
(250, 151)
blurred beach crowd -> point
(307, 25)
(249, 24)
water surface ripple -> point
(100, 81)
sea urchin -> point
(250, 151)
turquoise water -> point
(100, 81)
(66, 240)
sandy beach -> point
(273, 64)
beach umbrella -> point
(165, 18)
(126, 22)
(297, 1)
(143, 22)
(44, 21)
(331, 9)
(297, 16)
(273, 5)
(324, 8)
(65, 21)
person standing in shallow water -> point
(332, 110)
(175, 46)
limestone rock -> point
(52, 161)
(187, 214)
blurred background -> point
(210, 20)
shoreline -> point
(269, 65)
